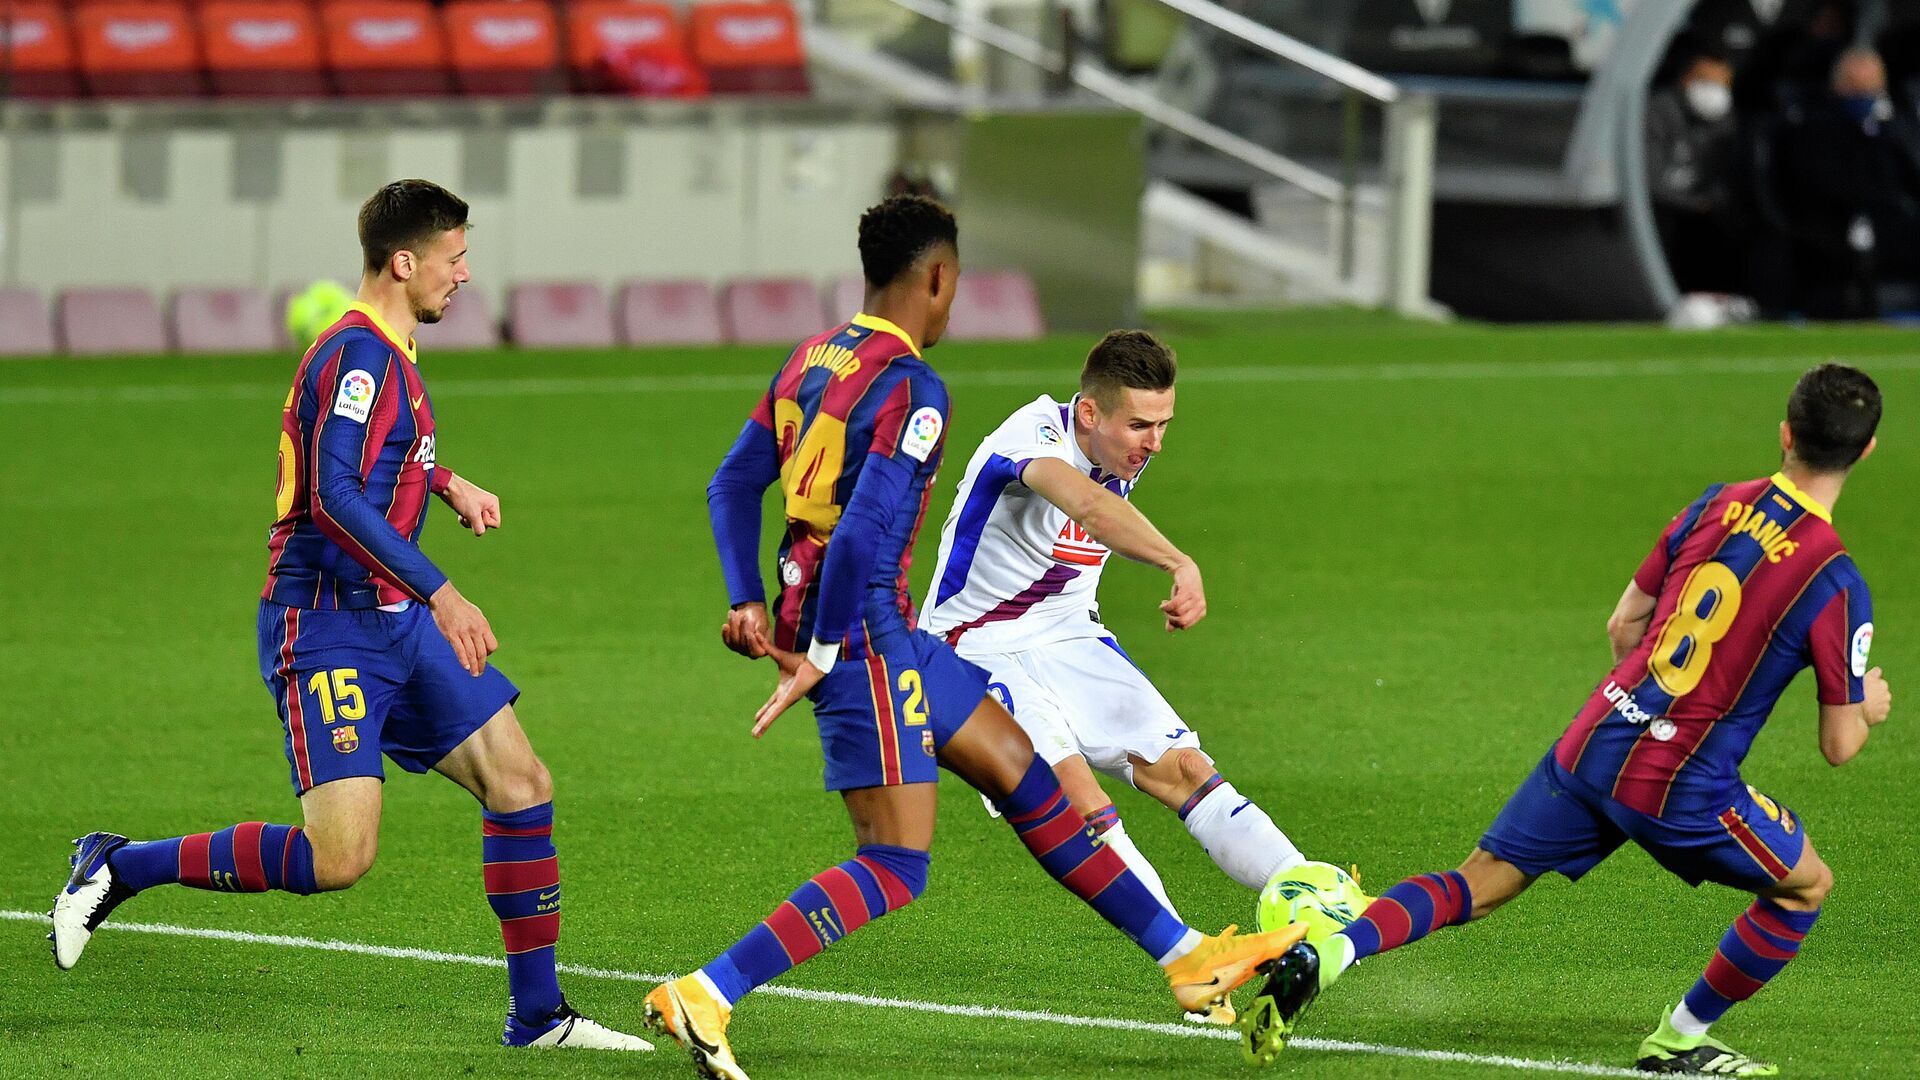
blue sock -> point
(249, 857)
(522, 874)
(1410, 911)
(1067, 848)
(1755, 948)
(879, 879)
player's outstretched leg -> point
(108, 869)
(1403, 914)
(881, 878)
(1239, 836)
(993, 754)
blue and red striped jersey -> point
(852, 429)
(1752, 585)
(356, 466)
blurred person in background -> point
(1849, 182)
(1690, 153)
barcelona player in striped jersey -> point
(1747, 587)
(366, 646)
(852, 429)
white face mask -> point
(1709, 100)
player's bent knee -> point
(903, 868)
(337, 867)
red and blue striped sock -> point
(1068, 848)
(1410, 911)
(880, 878)
(522, 873)
(1756, 947)
(249, 857)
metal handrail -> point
(1127, 96)
(1345, 72)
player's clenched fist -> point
(479, 509)
(1188, 604)
(745, 630)
(465, 628)
(1879, 697)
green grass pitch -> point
(1411, 537)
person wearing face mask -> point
(1851, 187)
(1689, 140)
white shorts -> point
(1084, 696)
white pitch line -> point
(1469, 371)
(991, 1012)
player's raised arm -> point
(1853, 698)
(733, 506)
(359, 402)
(1121, 526)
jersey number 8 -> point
(1708, 603)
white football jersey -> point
(1014, 571)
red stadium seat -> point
(996, 305)
(468, 324)
(224, 321)
(767, 311)
(263, 48)
(503, 47)
(559, 315)
(95, 322)
(385, 48)
(670, 313)
(138, 48)
(26, 327)
(36, 52)
(845, 298)
(633, 47)
(749, 47)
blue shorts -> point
(351, 685)
(884, 718)
(1556, 821)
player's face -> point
(439, 269)
(1125, 438)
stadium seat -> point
(469, 324)
(749, 48)
(764, 311)
(845, 298)
(95, 322)
(503, 47)
(559, 315)
(138, 48)
(632, 47)
(224, 321)
(996, 305)
(669, 313)
(262, 48)
(26, 328)
(39, 44)
(385, 48)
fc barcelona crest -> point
(346, 739)
(926, 743)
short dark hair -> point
(895, 233)
(1127, 359)
(404, 214)
(1833, 413)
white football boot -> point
(91, 894)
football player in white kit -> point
(1041, 507)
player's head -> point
(1126, 400)
(1831, 418)
(910, 245)
(414, 233)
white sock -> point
(1686, 1023)
(1342, 947)
(1241, 838)
(1116, 838)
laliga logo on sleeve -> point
(1862, 645)
(923, 433)
(355, 399)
